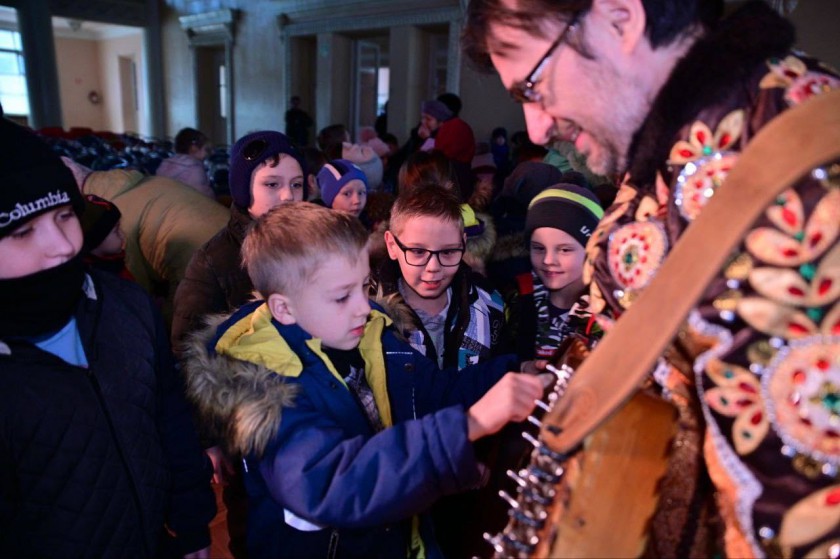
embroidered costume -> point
(755, 376)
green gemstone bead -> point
(807, 271)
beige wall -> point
(110, 50)
(178, 76)
(78, 75)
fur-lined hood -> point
(237, 368)
(239, 401)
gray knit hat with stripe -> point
(567, 207)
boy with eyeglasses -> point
(446, 311)
(348, 434)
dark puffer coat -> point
(95, 462)
(215, 281)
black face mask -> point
(42, 302)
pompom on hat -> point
(567, 207)
(33, 179)
(334, 175)
(249, 152)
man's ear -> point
(626, 19)
(391, 245)
(281, 309)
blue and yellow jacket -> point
(320, 481)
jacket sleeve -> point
(318, 472)
(448, 387)
(198, 294)
(192, 503)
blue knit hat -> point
(248, 153)
(334, 175)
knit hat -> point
(98, 220)
(566, 207)
(33, 180)
(248, 153)
(528, 179)
(436, 109)
(334, 175)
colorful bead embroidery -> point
(801, 388)
(636, 251)
(793, 242)
(698, 181)
(811, 519)
(738, 395)
(800, 84)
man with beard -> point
(670, 95)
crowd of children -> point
(342, 350)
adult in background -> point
(669, 94)
(187, 165)
(298, 123)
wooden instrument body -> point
(611, 486)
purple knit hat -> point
(436, 109)
(248, 153)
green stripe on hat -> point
(593, 207)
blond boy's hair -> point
(428, 201)
(286, 246)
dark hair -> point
(188, 137)
(424, 168)
(431, 201)
(330, 140)
(667, 20)
(315, 159)
(499, 132)
(452, 102)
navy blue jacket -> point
(94, 462)
(325, 484)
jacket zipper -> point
(332, 548)
(132, 482)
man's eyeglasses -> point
(421, 256)
(524, 91)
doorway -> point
(212, 92)
(128, 93)
(366, 88)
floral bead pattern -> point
(738, 395)
(802, 391)
(793, 75)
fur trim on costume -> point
(704, 78)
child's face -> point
(351, 198)
(557, 258)
(333, 305)
(113, 243)
(271, 186)
(430, 233)
(42, 243)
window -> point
(12, 75)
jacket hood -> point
(240, 400)
(237, 368)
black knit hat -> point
(33, 180)
(567, 207)
(98, 220)
(248, 153)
